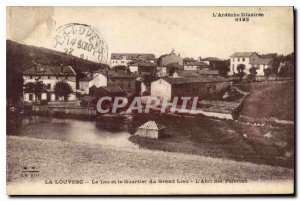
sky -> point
(190, 31)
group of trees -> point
(61, 89)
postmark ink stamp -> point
(81, 40)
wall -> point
(161, 88)
(212, 90)
(148, 133)
(126, 83)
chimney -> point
(61, 68)
(200, 58)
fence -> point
(75, 110)
(259, 85)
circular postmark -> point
(81, 40)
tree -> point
(120, 67)
(63, 89)
(267, 72)
(223, 67)
(171, 71)
(37, 88)
(252, 74)
(283, 71)
(240, 68)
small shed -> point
(151, 130)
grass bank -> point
(63, 160)
(221, 139)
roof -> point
(88, 77)
(211, 59)
(151, 125)
(261, 61)
(196, 63)
(200, 79)
(175, 65)
(143, 63)
(242, 54)
(208, 72)
(49, 70)
(117, 74)
(113, 89)
(187, 73)
(132, 56)
(88, 98)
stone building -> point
(202, 87)
(49, 75)
(151, 130)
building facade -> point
(123, 59)
(93, 79)
(202, 87)
(246, 60)
(49, 76)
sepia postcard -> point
(150, 100)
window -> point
(122, 62)
(57, 77)
(48, 86)
(31, 77)
(30, 97)
(129, 85)
(243, 59)
(49, 77)
(238, 59)
(232, 59)
(56, 97)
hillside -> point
(20, 57)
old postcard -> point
(150, 100)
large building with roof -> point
(248, 60)
(110, 78)
(202, 87)
(123, 59)
(49, 75)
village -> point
(219, 124)
(210, 79)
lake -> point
(92, 132)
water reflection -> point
(104, 133)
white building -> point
(49, 75)
(93, 79)
(248, 60)
(123, 59)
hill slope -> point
(20, 57)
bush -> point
(44, 102)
